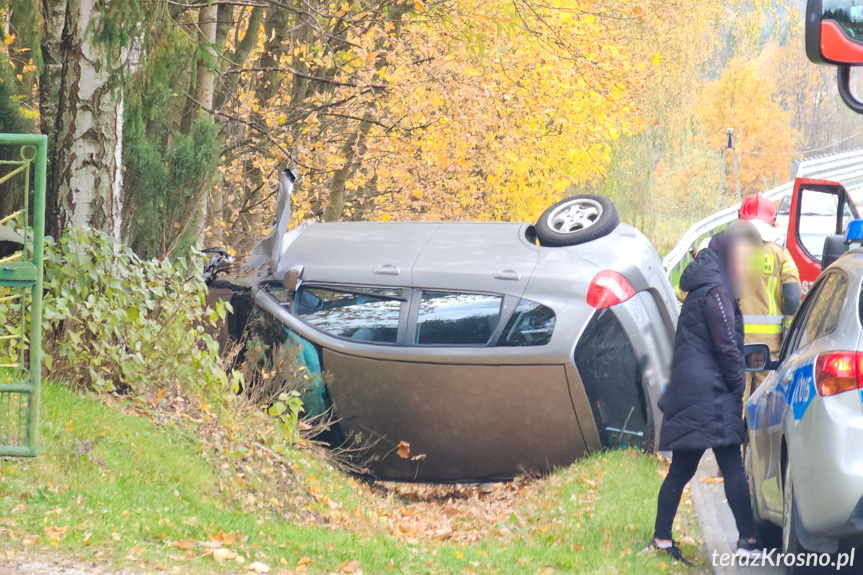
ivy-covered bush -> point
(115, 322)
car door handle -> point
(386, 270)
(507, 275)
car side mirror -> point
(292, 278)
(834, 35)
(757, 357)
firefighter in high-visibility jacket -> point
(768, 309)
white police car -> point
(804, 446)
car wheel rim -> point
(575, 216)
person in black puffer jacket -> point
(703, 402)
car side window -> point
(801, 320)
(824, 311)
(361, 314)
(531, 324)
(452, 318)
(835, 306)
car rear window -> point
(531, 324)
(452, 318)
(611, 377)
(362, 314)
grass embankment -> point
(121, 489)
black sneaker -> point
(674, 551)
(749, 548)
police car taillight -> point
(838, 371)
(608, 288)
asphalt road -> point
(716, 521)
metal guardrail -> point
(843, 167)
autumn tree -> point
(169, 118)
(441, 110)
(743, 99)
(810, 94)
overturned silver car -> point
(492, 349)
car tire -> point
(790, 543)
(576, 220)
(767, 533)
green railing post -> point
(24, 271)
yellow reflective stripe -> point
(789, 267)
(771, 294)
(763, 329)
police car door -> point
(794, 387)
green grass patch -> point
(133, 493)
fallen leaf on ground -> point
(55, 533)
(404, 449)
(223, 554)
(223, 538)
(351, 566)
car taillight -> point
(608, 288)
(838, 371)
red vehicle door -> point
(818, 209)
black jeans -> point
(683, 466)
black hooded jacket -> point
(703, 404)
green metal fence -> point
(22, 178)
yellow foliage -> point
(742, 99)
(490, 110)
(483, 109)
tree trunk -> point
(353, 149)
(207, 24)
(87, 127)
(49, 94)
(204, 89)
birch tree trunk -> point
(204, 92)
(86, 126)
